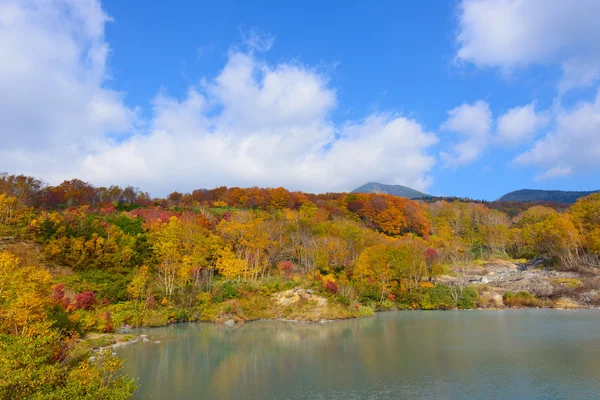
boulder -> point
(229, 322)
(490, 299)
(125, 329)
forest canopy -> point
(76, 258)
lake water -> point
(513, 354)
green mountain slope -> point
(396, 190)
(558, 196)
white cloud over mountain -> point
(271, 127)
(259, 123)
(254, 124)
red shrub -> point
(286, 268)
(85, 300)
(109, 327)
(58, 295)
(391, 297)
(331, 287)
(430, 254)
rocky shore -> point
(552, 287)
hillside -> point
(558, 196)
(396, 190)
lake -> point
(512, 354)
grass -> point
(521, 299)
(568, 282)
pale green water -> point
(516, 354)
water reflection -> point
(527, 354)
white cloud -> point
(253, 124)
(511, 34)
(257, 41)
(573, 143)
(520, 124)
(272, 129)
(472, 123)
(53, 106)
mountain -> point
(396, 190)
(558, 196)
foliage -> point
(520, 299)
(118, 257)
(35, 354)
(85, 300)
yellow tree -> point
(24, 294)
(586, 213)
(33, 355)
(248, 237)
(374, 263)
(184, 249)
(230, 266)
(140, 284)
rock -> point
(143, 336)
(92, 358)
(229, 322)
(157, 342)
(125, 329)
(309, 291)
(113, 353)
(490, 299)
(145, 340)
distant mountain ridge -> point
(558, 196)
(396, 190)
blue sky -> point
(470, 98)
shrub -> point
(150, 302)
(58, 295)
(340, 298)
(520, 299)
(85, 300)
(468, 299)
(108, 322)
(286, 268)
(369, 292)
(437, 298)
(61, 321)
(409, 300)
(331, 287)
(181, 315)
(229, 290)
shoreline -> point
(113, 341)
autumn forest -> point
(79, 262)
